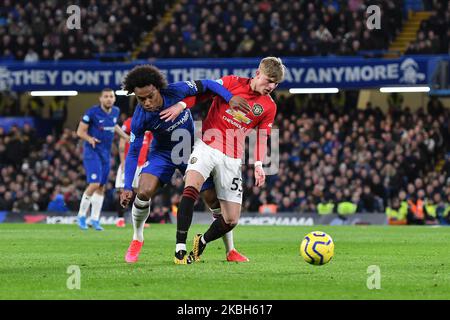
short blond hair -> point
(272, 67)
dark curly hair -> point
(142, 76)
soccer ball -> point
(317, 248)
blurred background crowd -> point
(34, 31)
(329, 155)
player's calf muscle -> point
(210, 198)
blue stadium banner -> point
(85, 76)
(7, 122)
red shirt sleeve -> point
(227, 80)
(126, 126)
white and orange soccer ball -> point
(317, 248)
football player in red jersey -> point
(217, 152)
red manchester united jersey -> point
(225, 129)
(126, 127)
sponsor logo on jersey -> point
(193, 160)
(110, 129)
(132, 137)
(234, 123)
(239, 116)
(257, 109)
(179, 122)
(192, 85)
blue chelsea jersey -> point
(101, 126)
(162, 131)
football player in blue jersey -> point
(97, 128)
(155, 95)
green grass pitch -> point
(414, 263)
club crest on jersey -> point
(193, 160)
(257, 109)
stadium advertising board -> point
(306, 73)
(254, 219)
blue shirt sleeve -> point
(217, 88)
(87, 116)
(192, 88)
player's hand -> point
(125, 198)
(260, 176)
(172, 112)
(93, 141)
(239, 103)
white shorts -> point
(226, 171)
(120, 178)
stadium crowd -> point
(37, 173)
(33, 31)
(333, 159)
(37, 30)
(433, 36)
(363, 158)
(280, 28)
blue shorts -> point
(97, 169)
(159, 163)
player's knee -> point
(147, 188)
(93, 187)
(194, 179)
(144, 195)
(231, 221)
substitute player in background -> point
(124, 145)
(97, 128)
(154, 95)
(217, 151)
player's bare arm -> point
(122, 143)
(82, 132)
(260, 175)
(121, 133)
(260, 151)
